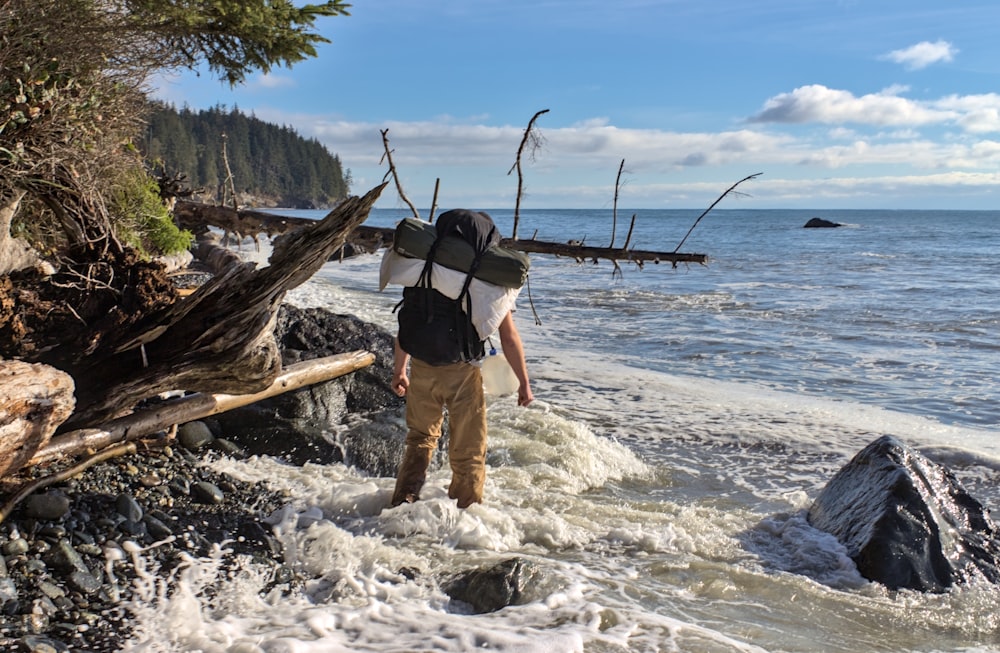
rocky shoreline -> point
(67, 573)
(66, 566)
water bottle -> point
(498, 377)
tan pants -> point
(459, 387)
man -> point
(458, 386)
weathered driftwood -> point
(15, 253)
(196, 406)
(35, 400)
(218, 339)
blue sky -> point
(839, 104)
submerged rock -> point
(492, 588)
(906, 521)
(820, 222)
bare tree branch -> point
(395, 175)
(729, 190)
(536, 141)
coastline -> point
(69, 555)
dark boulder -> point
(298, 426)
(821, 223)
(492, 588)
(906, 521)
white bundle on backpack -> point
(490, 302)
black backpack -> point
(434, 328)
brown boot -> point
(411, 475)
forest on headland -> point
(269, 165)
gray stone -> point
(17, 546)
(179, 486)
(208, 493)
(228, 447)
(490, 589)
(50, 590)
(157, 529)
(194, 435)
(906, 521)
(84, 582)
(46, 506)
(297, 426)
(65, 558)
(128, 507)
(8, 590)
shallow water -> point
(685, 420)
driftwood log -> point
(218, 339)
(35, 400)
(180, 410)
(118, 437)
(370, 239)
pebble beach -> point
(74, 555)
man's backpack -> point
(434, 328)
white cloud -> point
(923, 54)
(270, 80)
(577, 163)
(818, 104)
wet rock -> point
(194, 435)
(156, 528)
(84, 582)
(821, 223)
(46, 506)
(906, 521)
(229, 448)
(65, 558)
(205, 492)
(492, 588)
(128, 507)
(16, 546)
(297, 426)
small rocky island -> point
(820, 223)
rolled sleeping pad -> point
(499, 265)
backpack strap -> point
(471, 341)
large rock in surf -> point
(820, 222)
(492, 588)
(298, 426)
(906, 521)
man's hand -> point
(400, 383)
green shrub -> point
(140, 217)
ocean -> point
(685, 419)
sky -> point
(873, 104)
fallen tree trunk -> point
(196, 406)
(370, 239)
(218, 339)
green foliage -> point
(140, 217)
(73, 77)
(267, 161)
(235, 37)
